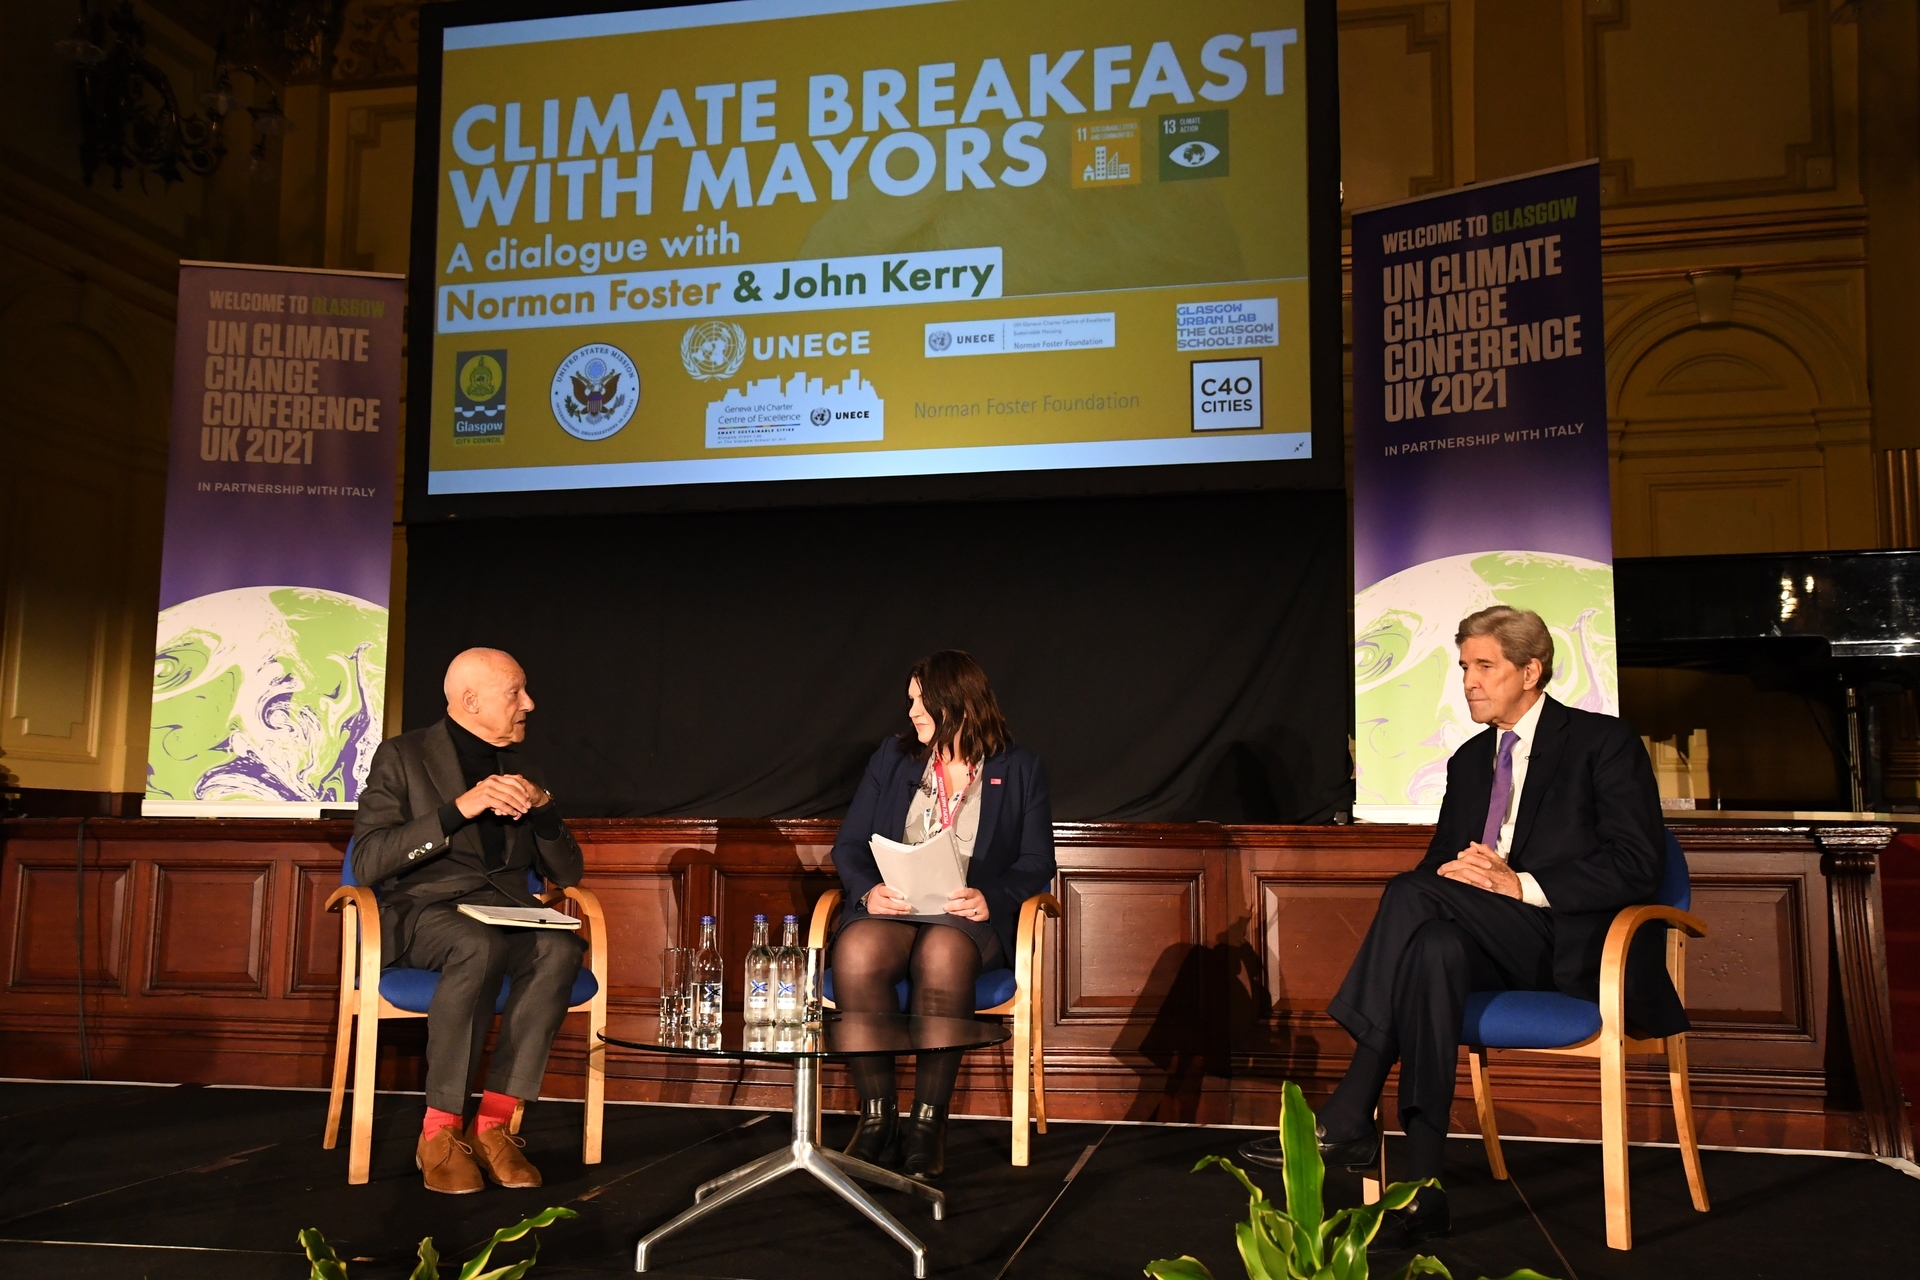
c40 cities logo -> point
(595, 391)
(479, 397)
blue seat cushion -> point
(412, 989)
(995, 987)
(1528, 1020)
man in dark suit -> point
(1551, 824)
(449, 815)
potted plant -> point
(327, 1264)
(1299, 1241)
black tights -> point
(869, 958)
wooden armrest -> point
(594, 925)
(1028, 935)
(823, 912)
(361, 928)
(358, 895)
(1613, 958)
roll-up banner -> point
(270, 666)
(1480, 461)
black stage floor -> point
(103, 1180)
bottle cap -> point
(792, 920)
(706, 920)
(759, 919)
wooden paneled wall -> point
(1186, 981)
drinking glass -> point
(676, 990)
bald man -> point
(449, 815)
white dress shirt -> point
(1527, 728)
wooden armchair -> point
(1548, 1022)
(406, 993)
(1018, 993)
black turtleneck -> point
(480, 759)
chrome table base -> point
(805, 1152)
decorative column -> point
(1849, 858)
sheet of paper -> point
(924, 874)
(520, 917)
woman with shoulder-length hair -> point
(956, 770)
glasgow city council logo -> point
(479, 397)
(595, 391)
(713, 349)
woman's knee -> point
(865, 948)
(947, 960)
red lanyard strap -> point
(947, 815)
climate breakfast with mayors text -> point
(965, 236)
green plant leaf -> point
(474, 1268)
(1273, 1239)
(516, 1270)
(326, 1263)
(1401, 1194)
(1332, 1225)
(1422, 1265)
(1348, 1257)
(1253, 1193)
(1524, 1273)
(1184, 1267)
(1304, 1172)
(429, 1268)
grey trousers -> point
(472, 958)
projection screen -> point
(847, 240)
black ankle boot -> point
(875, 1140)
(923, 1142)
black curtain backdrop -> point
(1177, 658)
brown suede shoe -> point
(447, 1162)
(498, 1152)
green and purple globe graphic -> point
(265, 694)
(1409, 711)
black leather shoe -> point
(876, 1138)
(923, 1142)
(1400, 1229)
(1262, 1153)
(1356, 1155)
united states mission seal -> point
(595, 391)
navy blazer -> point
(1012, 849)
(1590, 831)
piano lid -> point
(1846, 605)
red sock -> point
(438, 1120)
(495, 1109)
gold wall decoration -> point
(1396, 109)
(1709, 99)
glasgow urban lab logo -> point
(479, 396)
(1193, 146)
(595, 391)
(713, 349)
(939, 340)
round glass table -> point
(841, 1035)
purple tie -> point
(1502, 791)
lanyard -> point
(947, 815)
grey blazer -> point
(399, 849)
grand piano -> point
(1840, 625)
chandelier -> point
(131, 118)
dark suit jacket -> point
(399, 849)
(1589, 830)
(1012, 848)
